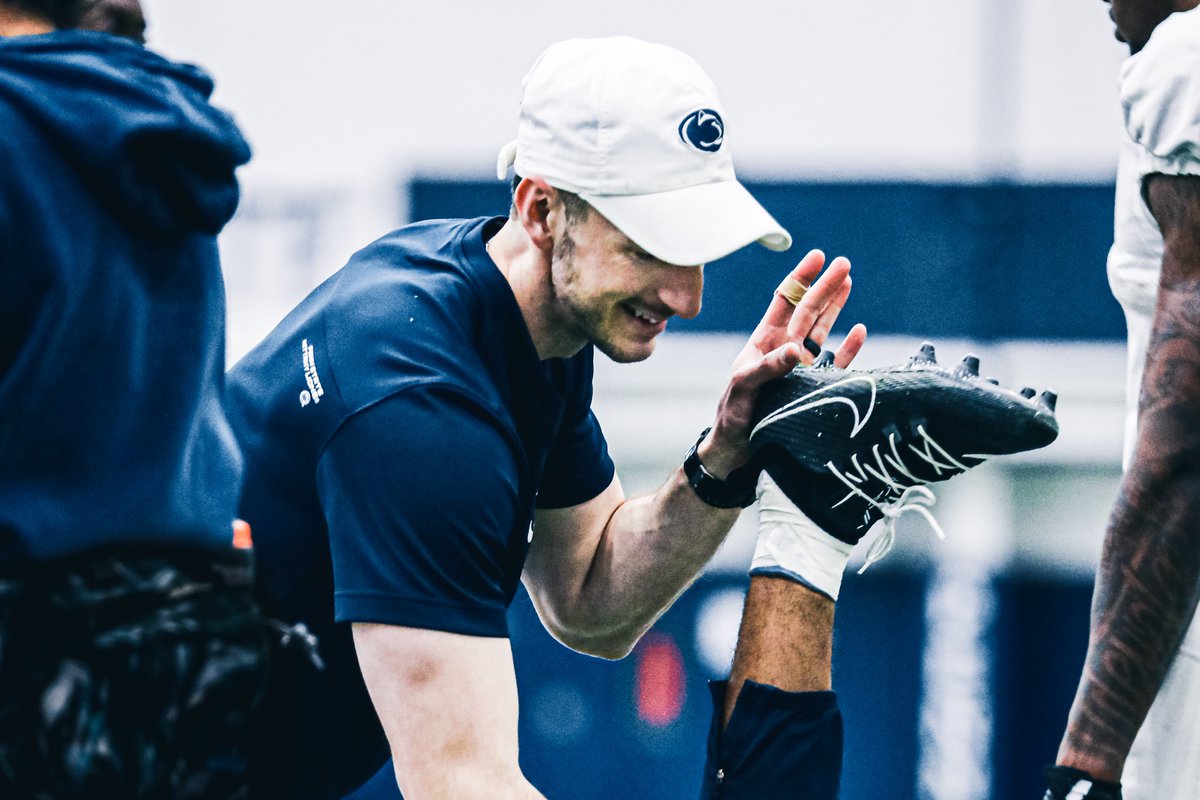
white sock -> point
(793, 546)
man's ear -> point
(533, 200)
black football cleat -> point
(850, 447)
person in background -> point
(1136, 715)
(131, 652)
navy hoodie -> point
(115, 176)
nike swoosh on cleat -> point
(806, 403)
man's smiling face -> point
(613, 293)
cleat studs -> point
(1028, 392)
(969, 366)
(992, 381)
(926, 354)
(824, 360)
(1049, 399)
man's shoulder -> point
(1176, 31)
(404, 312)
(1160, 95)
(410, 294)
(1166, 68)
(420, 304)
(424, 261)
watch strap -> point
(737, 490)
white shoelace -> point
(914, 497)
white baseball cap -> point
(637, 130)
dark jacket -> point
(115, 176)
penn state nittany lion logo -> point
(703, 130)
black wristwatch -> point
(736, 491)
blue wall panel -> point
(879, 635)
(1040, 642)
(582, 739)
(982, 261)
(877, 670)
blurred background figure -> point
(131, 653)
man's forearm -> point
(652, 548)
(1147, 587)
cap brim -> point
(695, 225)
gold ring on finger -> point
(792, 290)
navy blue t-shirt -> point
(399, 429)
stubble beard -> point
(581, 319)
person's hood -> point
(138, 128)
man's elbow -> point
(588, 627)
(611, 644)
(609, 648)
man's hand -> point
(775, 347)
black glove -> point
(1068, 783)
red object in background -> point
(241, 535)
(659, 688)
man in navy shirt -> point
(130, 650)
(409, 420)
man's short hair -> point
(118, 17)
(60, 13)
(575, 207)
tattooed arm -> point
(1149, 579)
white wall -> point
(346, 92)
(342, 100)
